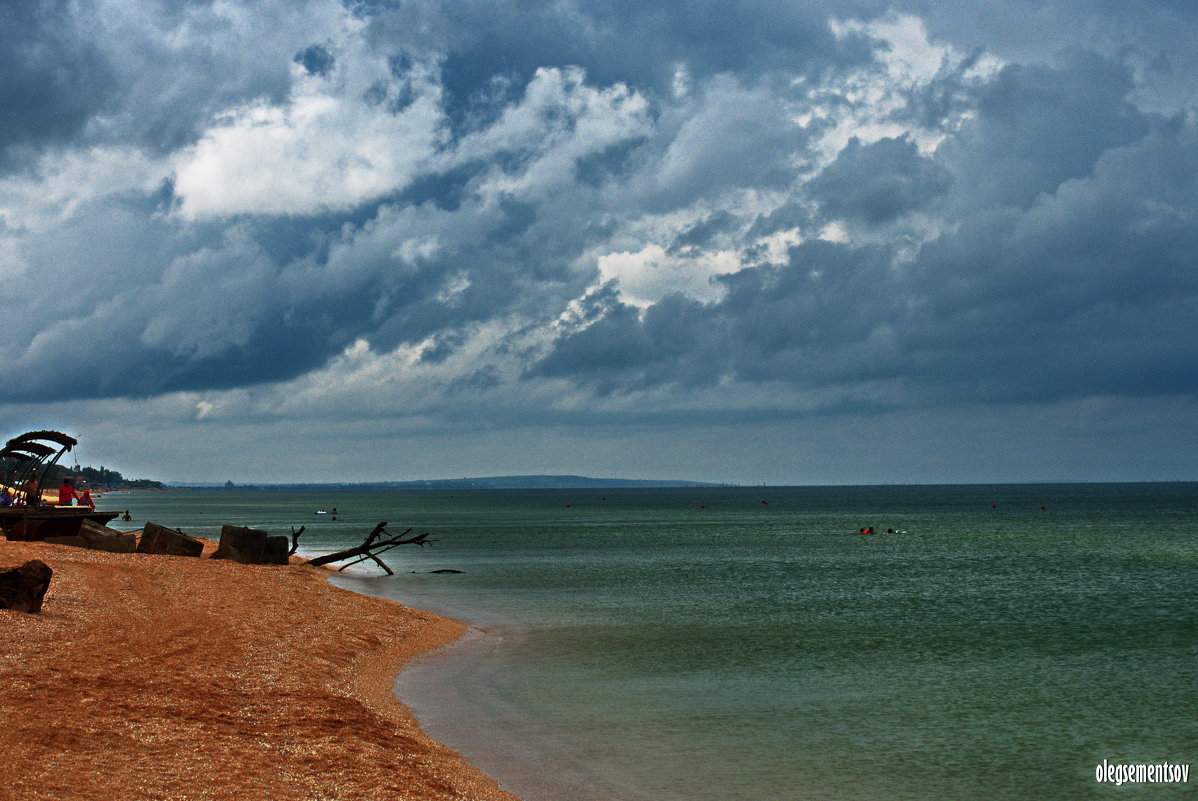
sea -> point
(1005, 643)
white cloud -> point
(559, 120)
(864, 103)
(335, 143)
(455, 287)
(646, 276)
(909, 57)
(63, 183)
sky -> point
(754, 242)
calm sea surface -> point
(740, 644)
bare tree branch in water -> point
(371, 547)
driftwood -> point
(371, 547)
(295, 535)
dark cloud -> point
(637, 43)
(153, 75)
(707, 231)
(316, 60)
(811, 322)
(54, 78)
(878, 182)
(1090, 288)
(1038, 126)
(733, 136)
(950, 95)
(1043, 250)
(155, 307)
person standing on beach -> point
(32, 493)
(66, 494)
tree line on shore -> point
(97, 478)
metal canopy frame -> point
(28, 456)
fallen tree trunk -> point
(371, 547)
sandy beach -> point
(160, 677)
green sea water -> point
(737, 644)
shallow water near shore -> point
(729, 644)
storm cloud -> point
(499, 217)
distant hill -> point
(489, 482)
(542, 482)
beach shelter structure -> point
(31, 455)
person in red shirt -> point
(86, 500)
(66, 494)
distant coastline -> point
(488, 482)
(584, 482)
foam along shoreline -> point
(153, 677)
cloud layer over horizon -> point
(550, 222)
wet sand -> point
(160, 677)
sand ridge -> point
(161, 677)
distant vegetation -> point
(97, 478)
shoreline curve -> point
(156, 677)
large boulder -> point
(251, 546)
(98, 538)
(23, 588)
(162, 540)
(241, 544)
